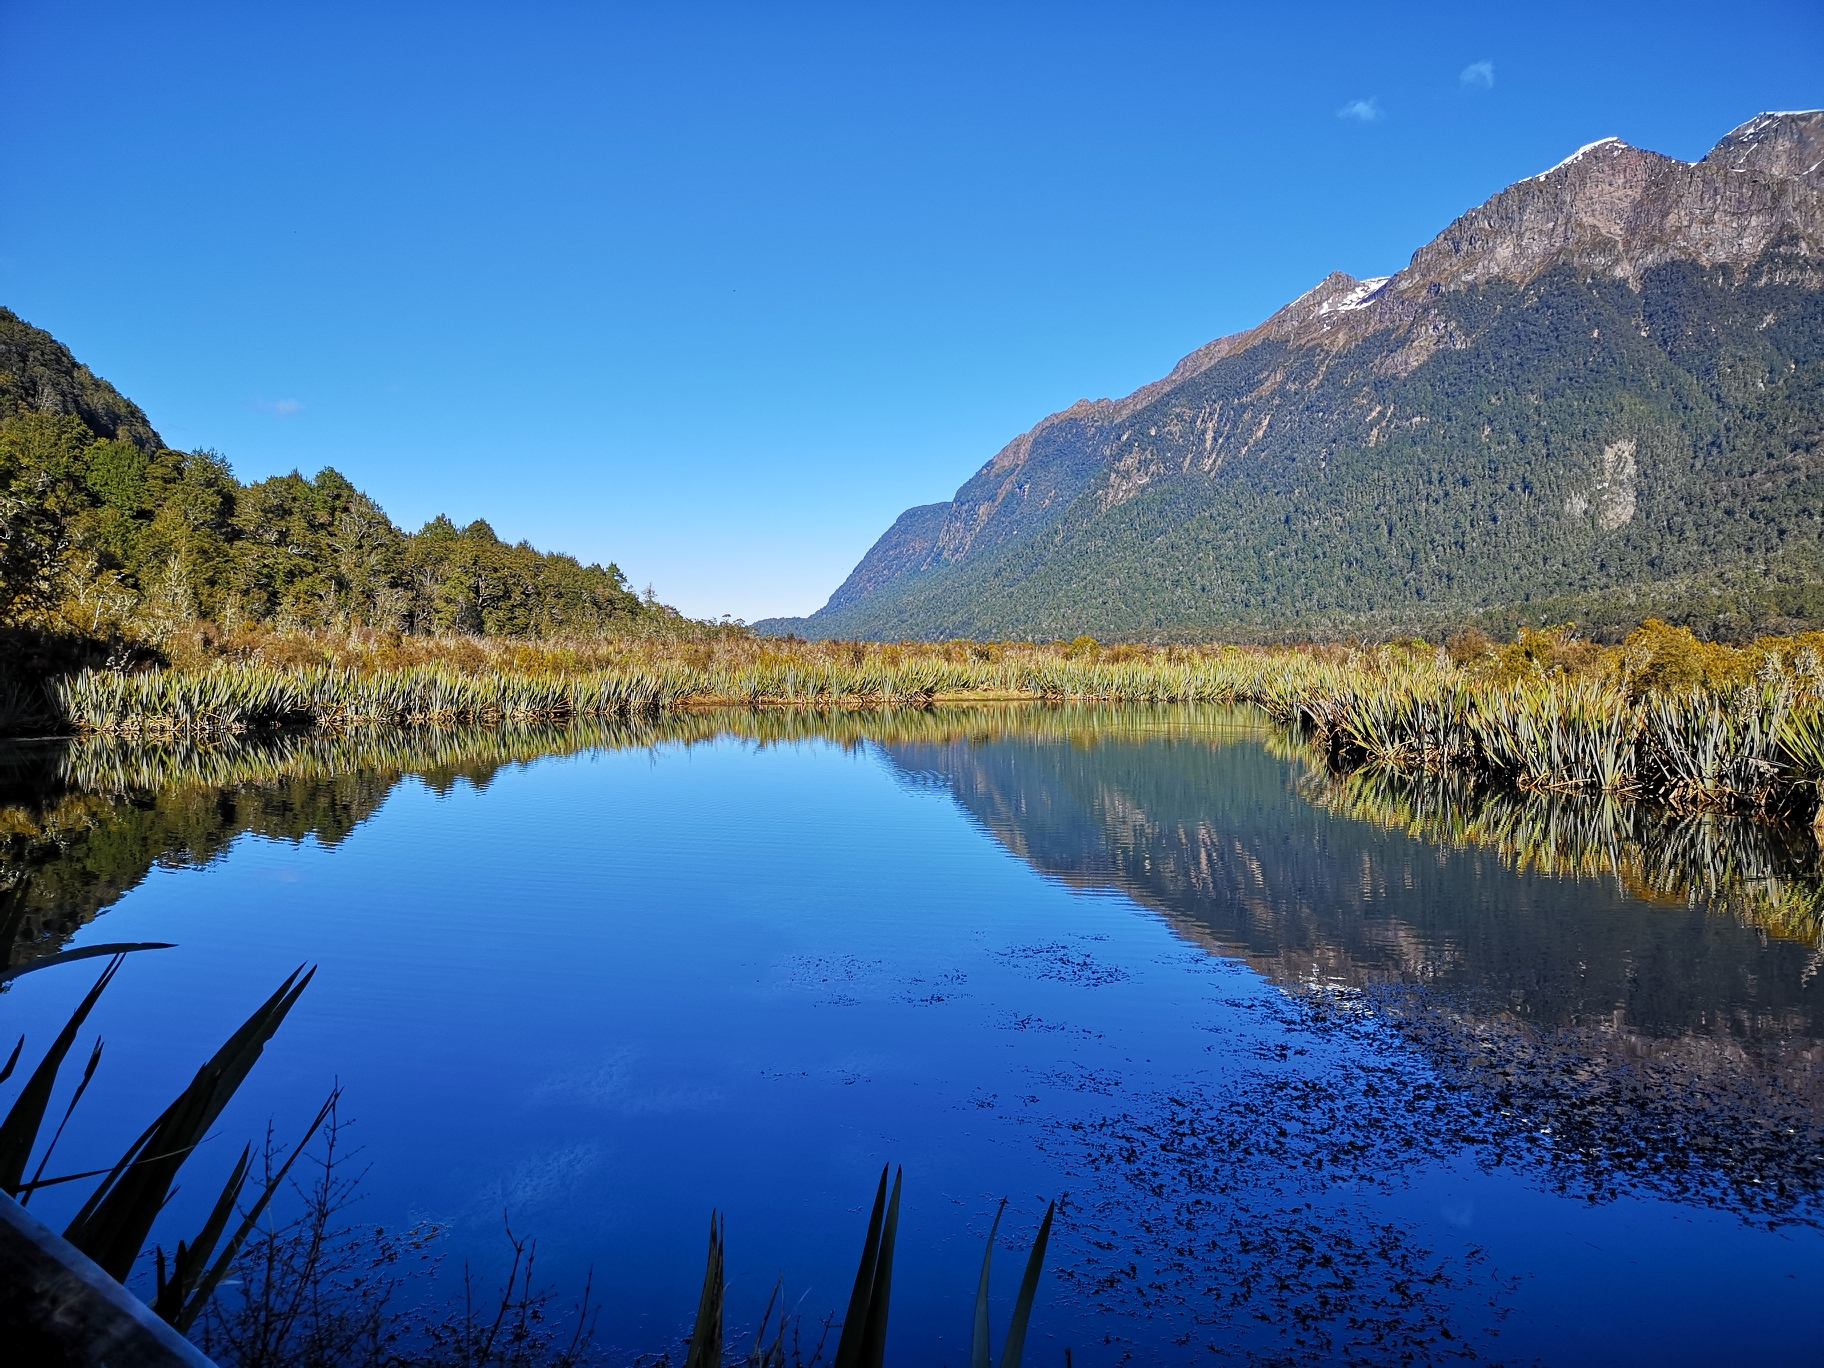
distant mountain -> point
(1597, 396)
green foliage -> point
(103, 527)
(19, 1132)
(112, 534)
(38, 457)
(114, 1222)
(705, 1349)
(38, 375)
(1657, 658)
(1014, 1346)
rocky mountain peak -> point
(1608, 209)
(1785, 145)
(1619, 210)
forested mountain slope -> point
(1599, 396)
(104, 529)
(39, 375)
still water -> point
(1321, 1070)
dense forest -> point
(104, 530)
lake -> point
(1322, 1068)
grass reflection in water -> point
(1765, 874)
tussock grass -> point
(1736, 731)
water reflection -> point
(1764, 874)
(1599, 997)
(1627, 998)
(82, 821)
(1208, 815)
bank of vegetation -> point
(113, 544)
(1695, 726)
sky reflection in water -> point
(1395, 1093)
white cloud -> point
(284, 408)
(1364, 111)
(1478, 76)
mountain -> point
(1595, 397)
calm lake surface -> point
(1327, 1069)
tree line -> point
(104, 534)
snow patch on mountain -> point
(1362, 293)
(1614, 144)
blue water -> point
(612, 990)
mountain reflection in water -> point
(1646, 992)
(1604, 998)
(1656, 925)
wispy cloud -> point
(284, 408)
(1363, 111)
(1478, 76)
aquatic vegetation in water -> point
(1256, 1233)
(1255, 1237)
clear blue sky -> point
(716, 291)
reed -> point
(1568, 738)
(1742, 751)
(1724, 744)
(1721, 752)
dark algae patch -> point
(1696, 1120)
(1233, 1209)
(1063, 963)
(1254, 1230)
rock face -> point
(1598, 394)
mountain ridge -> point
(1608, 216)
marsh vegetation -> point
(1695, 726)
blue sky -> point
(716, 291)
